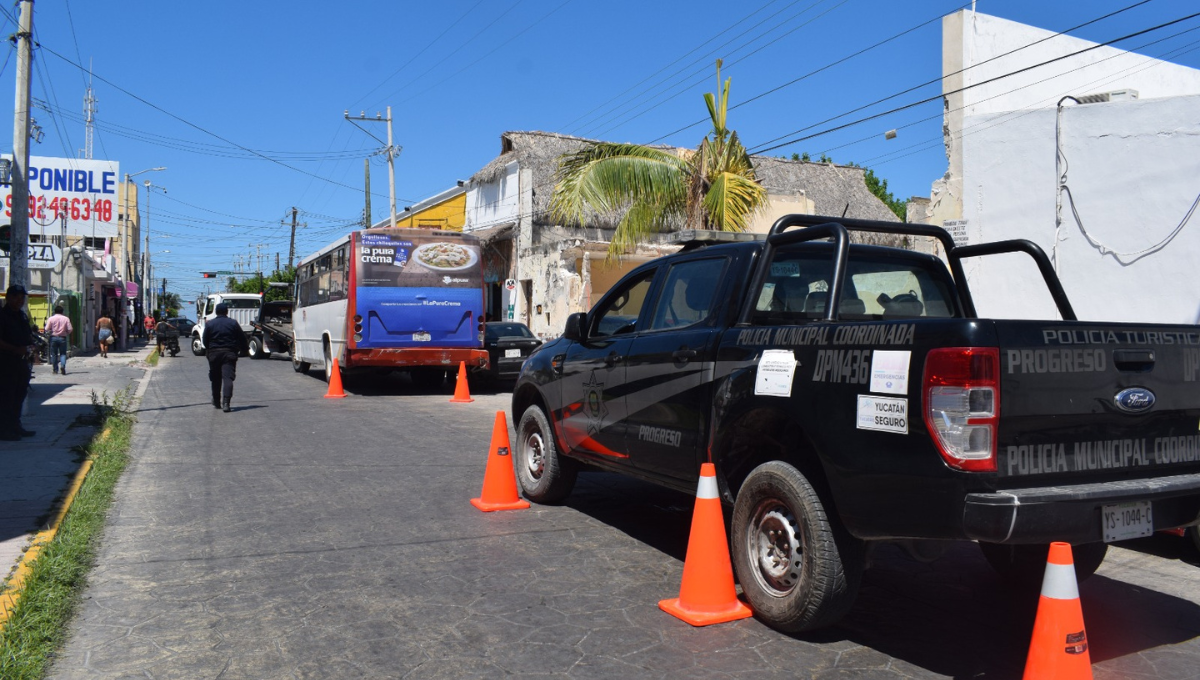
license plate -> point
(421, 337)
(1126, 520)
(510, 353)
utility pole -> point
(392, 151)
(292, 243)
(19, 235)
(367, 209)
(276, 261)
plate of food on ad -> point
(444, 257)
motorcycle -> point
(170, 340)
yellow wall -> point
(450, 215)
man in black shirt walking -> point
(16, 348)
(223, 342)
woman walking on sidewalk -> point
(104, 334)
(58, 327)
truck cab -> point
(243, 308)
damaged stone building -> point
(539, 272)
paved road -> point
(300, 537)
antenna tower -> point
(89, 111)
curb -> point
(16, 585)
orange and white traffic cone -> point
(1059, 649)
(706, 595)
(461, 394)
(499, 481)
(335, 390)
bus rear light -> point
(357, 327)
(962, 405)
(357, 318)
(481, 319)
(358, 337)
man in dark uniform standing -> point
(16, 347)
(223, 342)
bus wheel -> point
(299, 366)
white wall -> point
(495, 203)
(1134, 171)
(1103, 69)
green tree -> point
(259, 284)
(713, 187)
(170, 302)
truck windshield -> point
(877, 287)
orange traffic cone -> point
(335, 390)
(707, 595)
(461, 394)
(1059, 648)
(499, 482)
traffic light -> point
(209, 275)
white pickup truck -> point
(243, 308)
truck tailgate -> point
(1097, 401)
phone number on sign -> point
(100, 209)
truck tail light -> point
(962, 405)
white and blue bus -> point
(408, 299)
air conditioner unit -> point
(1105, 97)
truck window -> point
(619, 312)
(687, 296)
(876, 287)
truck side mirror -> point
(576, 323)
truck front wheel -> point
(544, 476)
(798, 567)
(1024, 565)
(197, 346)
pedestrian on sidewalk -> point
(148, 322)
(223, 341)
(16, 355)
(104, 333)
(58, 327)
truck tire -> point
(197, 347)
(256, 349)
(798, 567)
(544, 476)
(1024, 565)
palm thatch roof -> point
(835, 189)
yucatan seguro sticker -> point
(885, 414)
(889, 371)
(776, 368)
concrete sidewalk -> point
(36, 472)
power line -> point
(761, 150)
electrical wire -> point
(760, 149)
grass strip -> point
(37, 626)
(153, 358)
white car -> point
(243, 308)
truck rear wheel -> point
(544, 476)
(1024, 565)
(256, 349)
(798, 567)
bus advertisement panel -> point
(418, 289)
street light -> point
(125, 261)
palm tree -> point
(713, 187)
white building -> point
(1126, 169)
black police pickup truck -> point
(849, 394)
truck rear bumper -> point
(1072, 513)
(405, 357)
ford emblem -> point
(1134, 400)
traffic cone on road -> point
(335, 390)
(1059, 649)
(499, 481)
(706, 595)
(461, 394)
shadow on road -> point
(953, 616)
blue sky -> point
(244, 106)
